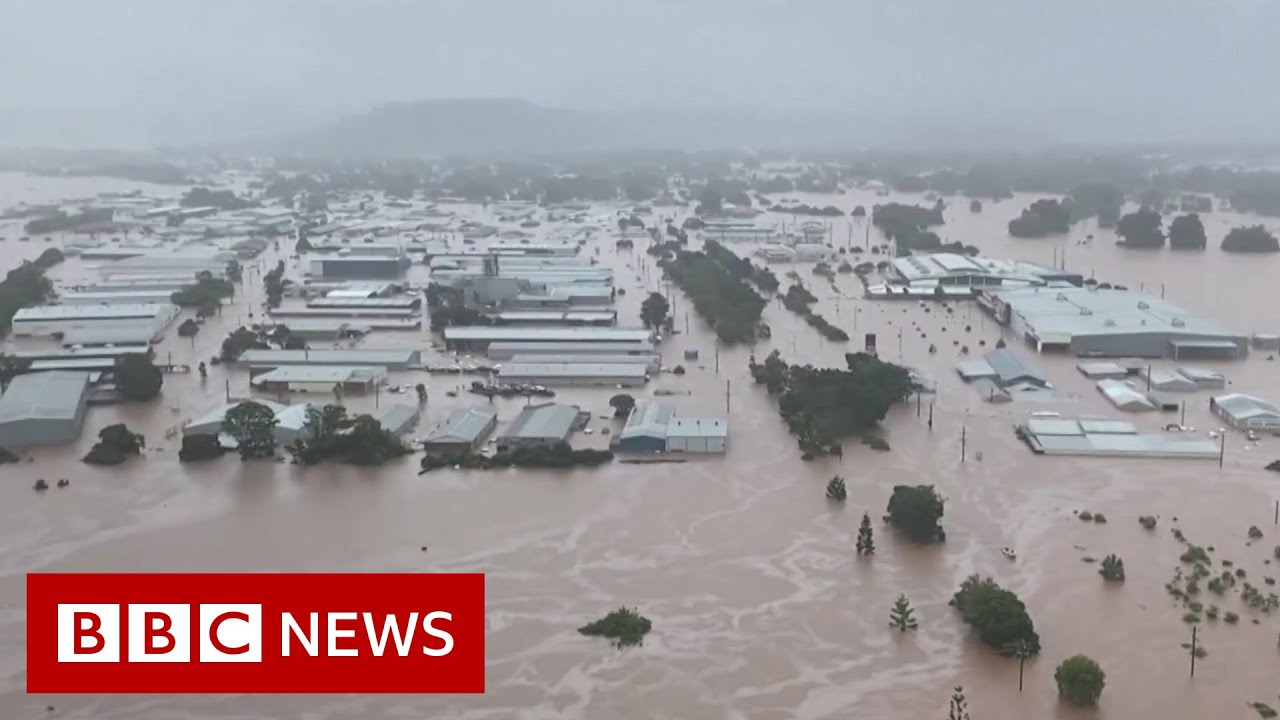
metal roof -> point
(44, 395)
(543, 422)
(112, 297)
(123, 334)
(1010, 367)
(1111, 439)
(558, 316)
(640, 349)
(940, 265)
(648, 420)
(464, 425)
(572, 370)
(1243, 406)
(353, 357)
(1124, 396)
(211, 422)
(1102, 369)
(1165, 379)
(644, 360)
(91, 312)
(407, 301)
(1083, 311)
(322, 373)
(321, 325)
(88, 364)
(396, 418)
(534, 334)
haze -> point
(142, 73)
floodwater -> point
(761, 608)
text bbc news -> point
(397, 633)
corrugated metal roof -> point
(464, 425)
(541, 334)
(570, 348)
(1246, 406)
(574, 370)
(396, 418)
(52, 395)
(91, 312)
(546, 421)
(1010, 367)
(354, 357)
(322, 373)
(648, 420)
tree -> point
(622, 405)
(188, 328)
(653, 311)
(332, 434)
(1250, 239)
(234, 272)
(1186, 232)
(204, 370)
(1042, 218)
(422, 393)
(998, 616)
(916, 512)
(866, 540)
(252, 425)
(138, 378)
(200, 447)
(836, 489)
(1141, 229)
(11, 366)
(206, 291)
(902, 616)
(116, 443)
(1112, 568)
(959, 705)
(1080, 680)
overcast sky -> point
(1084, 68)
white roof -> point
(43, 395)
(572, 370)
(1246, 406)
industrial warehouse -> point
(575, 374)
(464, 431)
(48, 320)
(1111, 323)
(320, 379)
(43, 408)
(478, 338)
(391, 358)
(652, 427)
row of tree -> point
(800, 301)
(329, 434)
(822, 405)
(558, 456)
(724, 300)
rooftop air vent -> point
(1061, 296)
(1142, 305)
(1086, 311)
(1179, 323)
(1110, 323)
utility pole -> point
(686, 323)
(1182, 422)
(717, 356)
(1222, 448)
(963, 441)
(727, 395)
(227, 388)
(1193, 651)
(930, 417)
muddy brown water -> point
(761, 608)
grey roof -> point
(1066, 312)
(360, 356)
(408, 301)
(1097, 370)
(464, 425)
(91, 312)
(1010, 367)
(1165, 379)
(81, 353)
(344, 312)
(1243, 406)
(52, 395)
(1124, 396)
(1202, 376)
(573, 370)
(549, 421)
(935, 266)
(991, 392)
(648, 420)
(326, 324)
(323, 373)
(88, 364)
(571, 348)
(113, 297)
(641, 360)
(1110, 439)
(975, 369)
(558, 316)
(552, 334)
(396, 418)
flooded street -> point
(761, 608)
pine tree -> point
(959, 705)
(866, 544)
(836, 489)
(902, 616)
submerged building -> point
(1246, 412)
(652, 427)
(954, 275)
(464, 431)
(43, 408)
(542, 426)
(1110, 323)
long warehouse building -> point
(577, 375)
(392, 358)
(508, 350)
(47, 320)
(1111, 323)
(478, 337)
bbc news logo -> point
(255, 633)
